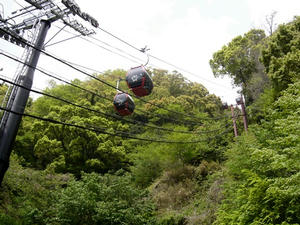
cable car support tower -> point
(36, 26)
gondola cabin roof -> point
(123, 104)
(139, 81)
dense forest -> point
(175, 160)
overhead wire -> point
(121, 56)
(109, 50)
(161, 60)
(57, 77)
(186, 71)
(129, 56)
(84, 38)
(104, 82)
(94, 93)
(97, 130)
(60, 30)
(116, 48)
(120, 39)
(100, 112)
(64, 40)
(18, 15)
(135, 61)
(132, 59)
(127, 43)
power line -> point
(128, 59)
(120, 39)
(109, 50)
(84, 107)
(81, 66)
(181, 69)
(140, 99)
(109, 133)
(168, 63)
(116, 48)
(67, 39)
(103, 113)
(91, 92)
(104, 82)
(161, 60)
(132, 59)
(21, 14)
(66, 101)
(186, 71)
(96, 94)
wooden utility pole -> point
(234, 121)
(240, 101)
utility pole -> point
(9, 131)
(240, 101)
(48, 12)
(234, 121)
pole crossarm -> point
(50, 11)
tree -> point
(108, 199)
(240, 60)
(264, 168)
(270, 20)
(282, 57)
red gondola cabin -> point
(139, 81)
(123, 104)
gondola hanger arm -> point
(145, 50)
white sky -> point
(183, 32)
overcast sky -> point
(183, 32)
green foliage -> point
(262, 185)
(7, 220)
(68, 149)
(265, 170)
(206, 201)
(59, 148)
(37, 197)
(188, 194)
(174, 189)
(259, 109)
(151, 159)
(173, 220)
(26, 194)
(96, 199)
(48, 198)
(174, 92)
(239, 60)
(3, 90)
(148, 164)
(281, 58)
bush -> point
(173, 220)
(26, 194)
(174, 189)
(264, 168)
(108, 199)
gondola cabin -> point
(139, 81)
(123, 104)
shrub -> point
(175, 188)
(108, 199)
